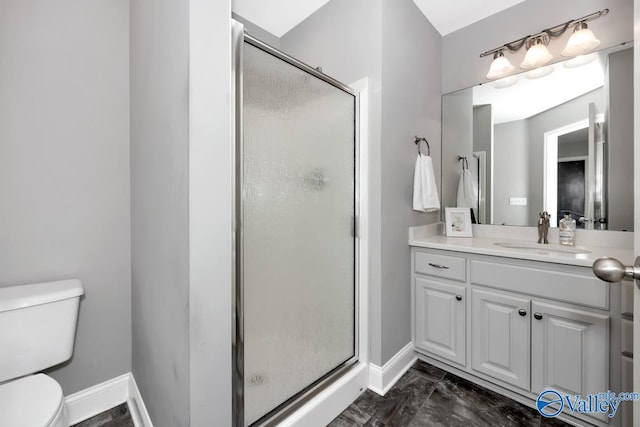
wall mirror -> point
(557, 138)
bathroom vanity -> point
(519, 317)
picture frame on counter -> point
(458, 222)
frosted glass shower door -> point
(297, 244)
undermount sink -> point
(542, 247)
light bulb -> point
(581, 41)
(500, 66)
(537, 56)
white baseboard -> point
(382, 378)
(329, 403)
(104, 396)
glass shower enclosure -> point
(296, 251)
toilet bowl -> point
(34, 400)
(37, 331)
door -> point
(636, 206)
(571, 190)
(570, 351)
(297, 244)
(500, 345)
(441, 319)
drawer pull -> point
(459, 297)
(522, 312)
(538, 316)
(444, 267)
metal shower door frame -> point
(239, 37)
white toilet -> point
(37, 330)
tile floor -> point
(114, 417)
(424, 396)
(429, 396)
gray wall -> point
(351, 40)
(554, 118)
(483, 141)
(64, 168)
(410, 106)
(620, 140)
(159, 206)
(462, 67)
(574, 144)
(457, 140)
(510, 142)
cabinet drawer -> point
(570, 287)
(448, 267)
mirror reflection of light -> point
(506, 82)
(557, 88)
(580, 60)
(539, 72)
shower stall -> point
(296, 293)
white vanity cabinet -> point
(516, 325)
(500, 339)
(440, 322)
(571, 351)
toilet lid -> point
(30, 401)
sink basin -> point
(542, 247)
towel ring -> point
(465, 162)
(417, 142)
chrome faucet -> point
(543, 227)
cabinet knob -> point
(459, 297)
(522, 312)
(538, 316)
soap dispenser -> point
(567, 231)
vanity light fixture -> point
(537, 53)
(500, 66)
(581, 41)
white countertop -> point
(609, 243)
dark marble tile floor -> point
(429, 396)
(114, 417)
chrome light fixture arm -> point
(551, 32)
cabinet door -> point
(441, 319)
(500, 340)
(570, 350)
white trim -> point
(104, 396)
(362, 87)
(550, 179)
(381, 379)
(137, 408)
(329, 403)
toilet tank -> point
(37, 326)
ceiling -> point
(280, 16)
(448, 16)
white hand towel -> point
(425, 192)
(417, 186)
(467, 196)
